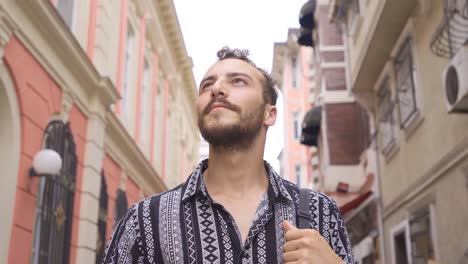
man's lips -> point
(214, 106)
(220, 103)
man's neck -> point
(236, 173)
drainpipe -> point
(379, 200)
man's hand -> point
(307, 246)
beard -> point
(235, 135)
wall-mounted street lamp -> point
(46, 162)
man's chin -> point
(220, 123)
(218, 130)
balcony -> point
(452, 32)
(389, 21)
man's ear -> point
(270, 115)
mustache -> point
(223, 101)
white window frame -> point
(158, 120)
(396, 230)
(415, 119)
(432, 226)
(388, 75)
(294, 63)
(296, 71)
(387, 146)
(127, 74)
(354, 19)
(145, 91)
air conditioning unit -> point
(456, 82)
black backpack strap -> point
(304, 217)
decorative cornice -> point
(173, 33)
(47, 37)
(6, 29)
(125, 150)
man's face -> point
(231, 108)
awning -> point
(311, 126)
(306, 15)
(354, 203)
(305, 37)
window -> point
(400, 244)
(298, 173)
(412, 240)
(145, 88)
(401, 248)
(405, 71)
(364, 127)
(158, 119)
(296, 126)
(295, 73)
(386, 117)
(121, 206)
(102, 221)
(127, 68)
(54, 212)
(422, 248)
(353, 17)
(65, 9)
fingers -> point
(292, 245)
(291, 257)
(288, 226)
(291, 232)
(306, 245)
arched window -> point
(102, 221)
(121, 206)
(54, 212)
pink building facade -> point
(66, 70)
(291, 68)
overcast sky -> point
(208, 25)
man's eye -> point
(238, 81)
(207, 85)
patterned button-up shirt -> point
(184, 225)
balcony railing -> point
(452, 33)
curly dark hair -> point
(269, 92)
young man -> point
(233, 208)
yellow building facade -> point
(398, 54)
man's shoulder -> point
(158, 196)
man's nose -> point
(218, 89)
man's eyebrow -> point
(229, 74)
(209, 78)
(233, 74)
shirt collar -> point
(194, 184)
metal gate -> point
(54, 213)
(121, 206)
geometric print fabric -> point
(184, 225)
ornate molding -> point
(67, 103)
(6, 29)
(60, 53)
(123, 149)
(165, 12)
